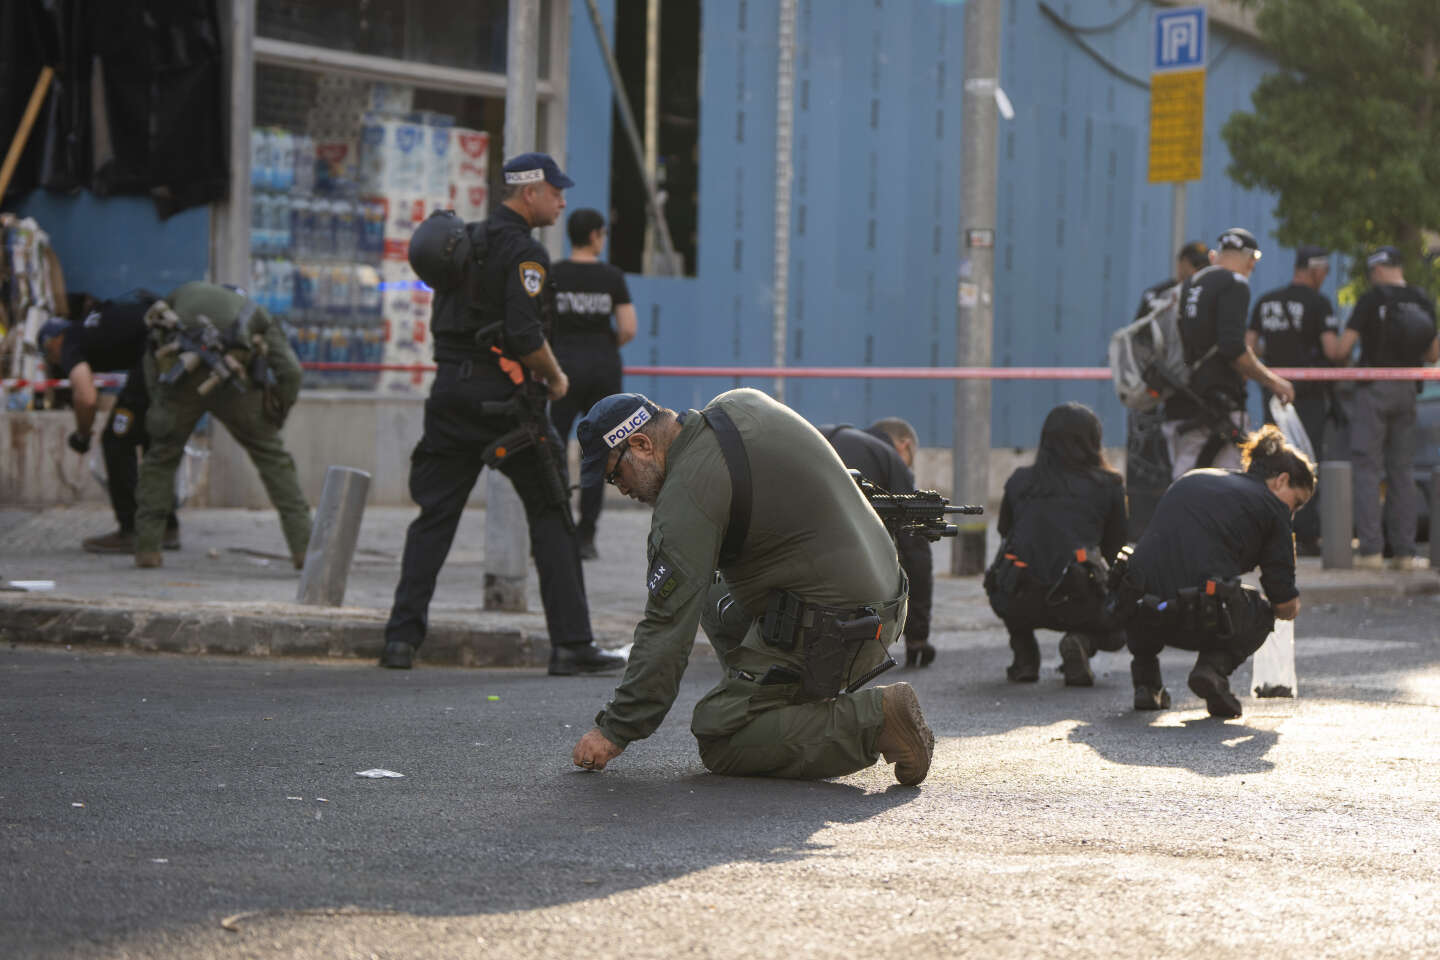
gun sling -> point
(737, 462)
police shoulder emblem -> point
(532, 277)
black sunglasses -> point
(614, 473)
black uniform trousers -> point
(124, 433)
(443, 470)
(592, 363)
(919, 566)
(1148, 633)
(1312, 405)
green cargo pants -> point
(174, 412)
(748, 729)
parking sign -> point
(1179, 40)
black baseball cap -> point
(1386, 256)
(608, 424)
(1238, 238)
(1308, 255)
(534, 167)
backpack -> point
(1405, 332)
(1147, 357)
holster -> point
(1225, 609)
(829, 638)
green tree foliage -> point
(1345, 134)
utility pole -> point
(784, 176)
(652, 116)
(975, 313)
(507, 535)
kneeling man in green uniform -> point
(761, 537)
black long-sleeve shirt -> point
(1217, 523)
(1046, 518)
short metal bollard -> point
(507, 544)
(333, 537)
(1337, 515)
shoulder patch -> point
(662, 579)
(532, 277)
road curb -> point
(1392, 588)
(269, 630)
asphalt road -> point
(171, 807)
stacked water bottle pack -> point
(315, 248)
(331, 219)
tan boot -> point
(904, 738)
(1369, 561)
(1404, 563)
(149, 558)
(299, 560)
(119, 541)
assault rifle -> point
(922, 512)
(527, 404)
(197, 344)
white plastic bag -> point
(1274, 663)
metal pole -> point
(231, 232)
(1177, 220)
(632, 133)
(784, 176)
(652, 115)
(333, 536)
(1336, 515)
(975, 313)
(1434, 520)
(506, 531)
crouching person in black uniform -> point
(1183, 582)
(1062, 522)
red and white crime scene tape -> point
(843, 373)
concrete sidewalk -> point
(231, 590)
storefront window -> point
(468, 35)
(342, 170)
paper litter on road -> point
(32, 585)
(376, 773)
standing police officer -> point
(214, 351)
(885, 455)
(1395, 324)
(1202, 424)
(587, 292)
(491, 284)
(1288, 327)
(809, 592)
(110, 339)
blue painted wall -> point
(110, 245)
(875, 209)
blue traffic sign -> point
(1179, 39)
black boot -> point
(919, 655)
(1026, 667)
(1150, 692)
(1075, 654)
(1210, 681)
(398, 655)
(583, 658)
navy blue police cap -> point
(609, 423)
(53, 328)
(1238, 238)
(1308, 255)
(534, 167)
(1385, 257)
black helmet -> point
(438, 250)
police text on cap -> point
(524, 176)
(629, 425)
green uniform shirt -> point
(812, 532)
(221, 304)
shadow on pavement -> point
(1203, 745)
